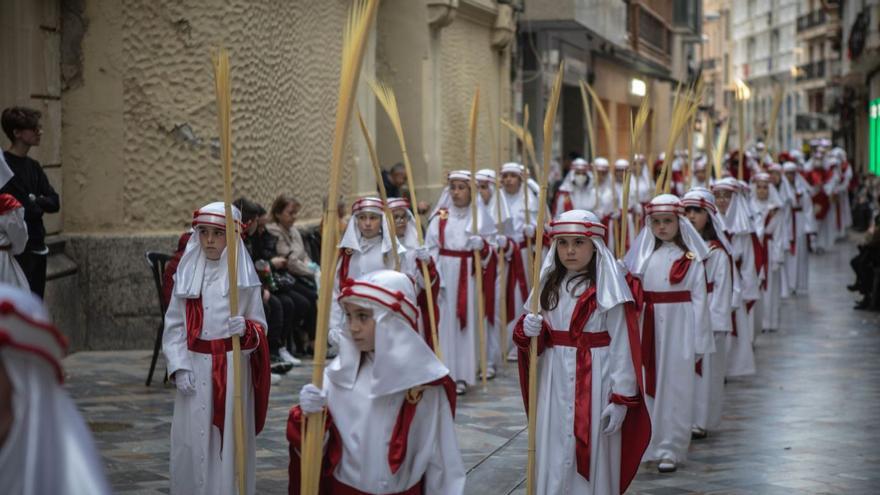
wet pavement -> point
(805, 423)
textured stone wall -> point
(142, 129)
(466, 60)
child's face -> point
(401, 219)
(460, 191)
(485, 191)
(361, 325)
(370, 224)
(213, 241)
(664, 226)
(762, 190)
(511, 182)
(790, 177)
(698, 217)
(575, 252)
(700, 175)
(722, 200)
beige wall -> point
(147, 70)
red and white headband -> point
(395, 301)
(204, 217)
(24, 333)
(576, 228)
(398, 203)
(675, 208)
(699, 203)
(368, 205)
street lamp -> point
(638, 87)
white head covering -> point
(800, 186)
(601, 163)
(701, 197)
(49, 449)
(488, 175)
(402, 358)
(643, 247)
(351, 239)
(621, 164)
(411, 235)
(774, 200)
(445, 201)
(191, 270)
(580, 165)
(512, 168)
(611, 287)
(5, 172)
(738, 219)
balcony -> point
(811, 122)
(814, 70)
(811, 20)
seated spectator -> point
(865, 264)
(280, 310)
(290, 258)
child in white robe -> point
(592, 424)
(390, 402)
(700, 208)
(740, 233)
(667, 257)
(770, 223)
(197, 344)
(452, 243)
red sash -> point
(259, 360)
(516, 277)
(463, 256)
(8, 203)
(648, 347)
(636, 430)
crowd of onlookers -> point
(866, 264)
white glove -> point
(314, 266)
(532, 324)
(474, 243)
(334, 336)
(423, 254)
(235, 326)
(615, 414)
(529, 230)
(312, 399)
(185, 381)
(501, 241)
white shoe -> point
(287, 357)
(490, 372)
(512, 357)
(666, 466)
(460, 387)
(275, 378)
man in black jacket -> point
(31, 188)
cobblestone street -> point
(802, 425)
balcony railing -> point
(814, 70)
(811, 122)
(811, 20)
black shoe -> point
(852, 288)
(278, 365)
(863, 304)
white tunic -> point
(681, 332)
(459, 346)
(796, 277)
(13, 233)
(368, 259)
(516, 206)
(776, 246)
(197, 466)
(612, 372)
(366, 424)
(740, 354)
(709, 391)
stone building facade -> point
(130, 127)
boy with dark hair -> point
(31, 188)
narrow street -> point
(801, 425)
